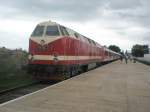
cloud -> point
(13, 40)
(124, 4)
(124, 21)
(67, 9)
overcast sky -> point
(109, 22)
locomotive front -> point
(45, 44)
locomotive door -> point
(103, 53)
(66, 52)
(66, 45)
(77, 49)
(66, 57)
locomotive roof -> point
(109, 50)
(54, 23)
(48, 23)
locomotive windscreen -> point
(52, 31)
(38, 31)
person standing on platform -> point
(121, 58)
(126, 59)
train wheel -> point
(67, 73)
(85, 68)
(73, 72)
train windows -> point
(52, 31)
(76, 35)
(89, 40)
(93, 42)
(38, 31)
(61, 29)
(64, 31)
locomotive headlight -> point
(30, 57)
(55, 59)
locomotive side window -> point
(38, 31)
(64, 31)
(89, 40)
(52, 31)
(76, 35)
(93, 42)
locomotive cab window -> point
(39, 30)
(64, 31)
(52, 31)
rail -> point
(15, 88)
(13, 93)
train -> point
(57, 52)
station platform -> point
(116, 87)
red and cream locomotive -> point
(57, 52)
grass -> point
(12, 73)
(15, 81)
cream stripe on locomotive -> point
(45, 39)
(51, 57)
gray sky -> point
(120, 22)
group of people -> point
(126, 58)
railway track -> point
(14, 93)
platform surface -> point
(116, 87)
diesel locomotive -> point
(57, 52)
